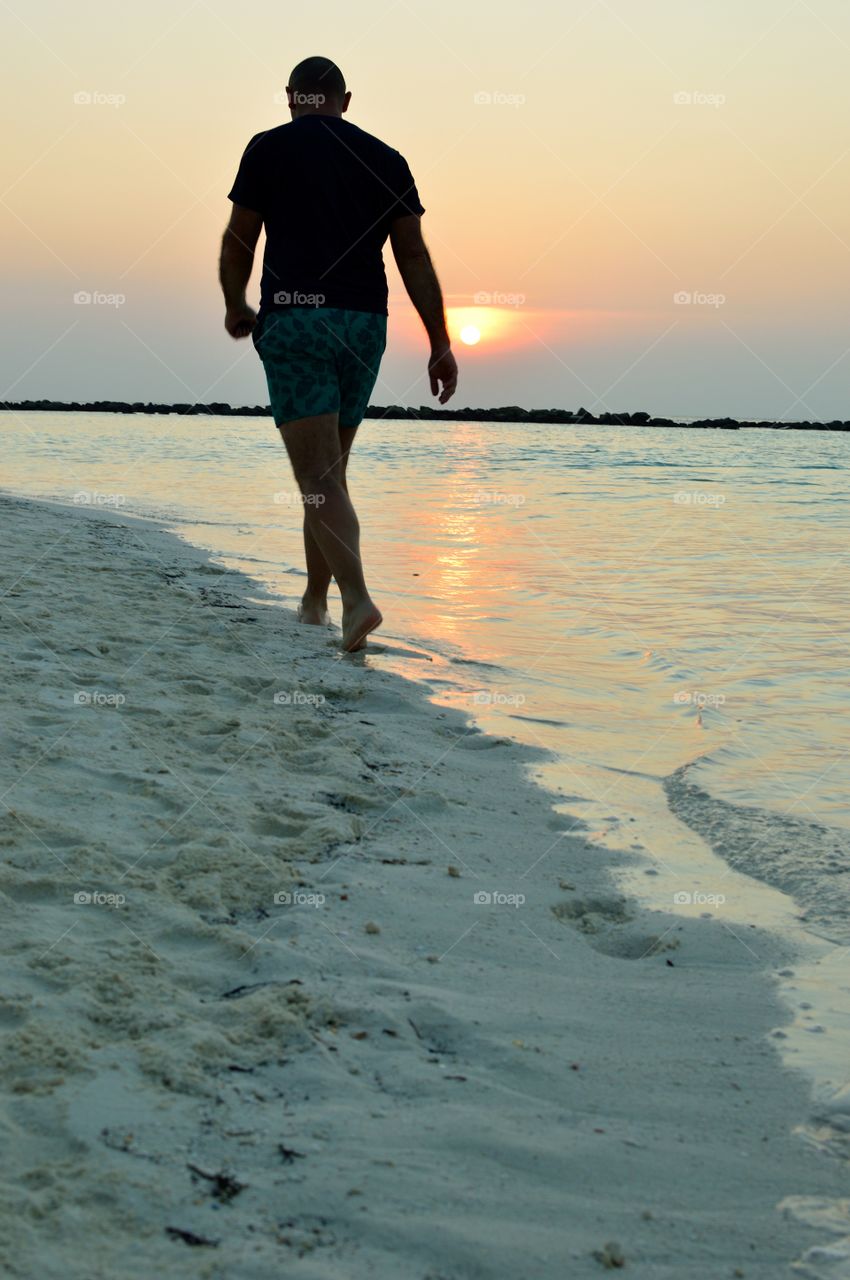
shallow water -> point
(662, 610)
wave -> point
(809, 861)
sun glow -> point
(490, 331)
(477, 324)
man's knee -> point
(313, 448)
(313, 481)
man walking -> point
(329, 195)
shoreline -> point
(463, 1086)
(425, 413)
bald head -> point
(317, 87)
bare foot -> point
(357, 624)
(315, 614)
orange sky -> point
(583, 165)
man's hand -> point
(234, 269)
(420, 280)
(442, 368)
(239, 321)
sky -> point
(638, 206)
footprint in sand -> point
(14, 1010)
(271, 826)
(605, 923)
(217, 729)
(475, 740)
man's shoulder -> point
(350, 133)
(393, 160)
(367, 139)
(268, 136)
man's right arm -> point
(420, 281)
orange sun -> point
(474, 325)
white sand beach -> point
(254, 1021)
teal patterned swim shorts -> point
(320, 360)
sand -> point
(254, 1022)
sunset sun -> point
(474, 325)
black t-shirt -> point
(328, 192)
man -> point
(329, 195)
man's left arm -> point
(234, 272)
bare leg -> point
(314, 603)
(313, 446)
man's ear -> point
(346, 100)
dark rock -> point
(504, 413)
